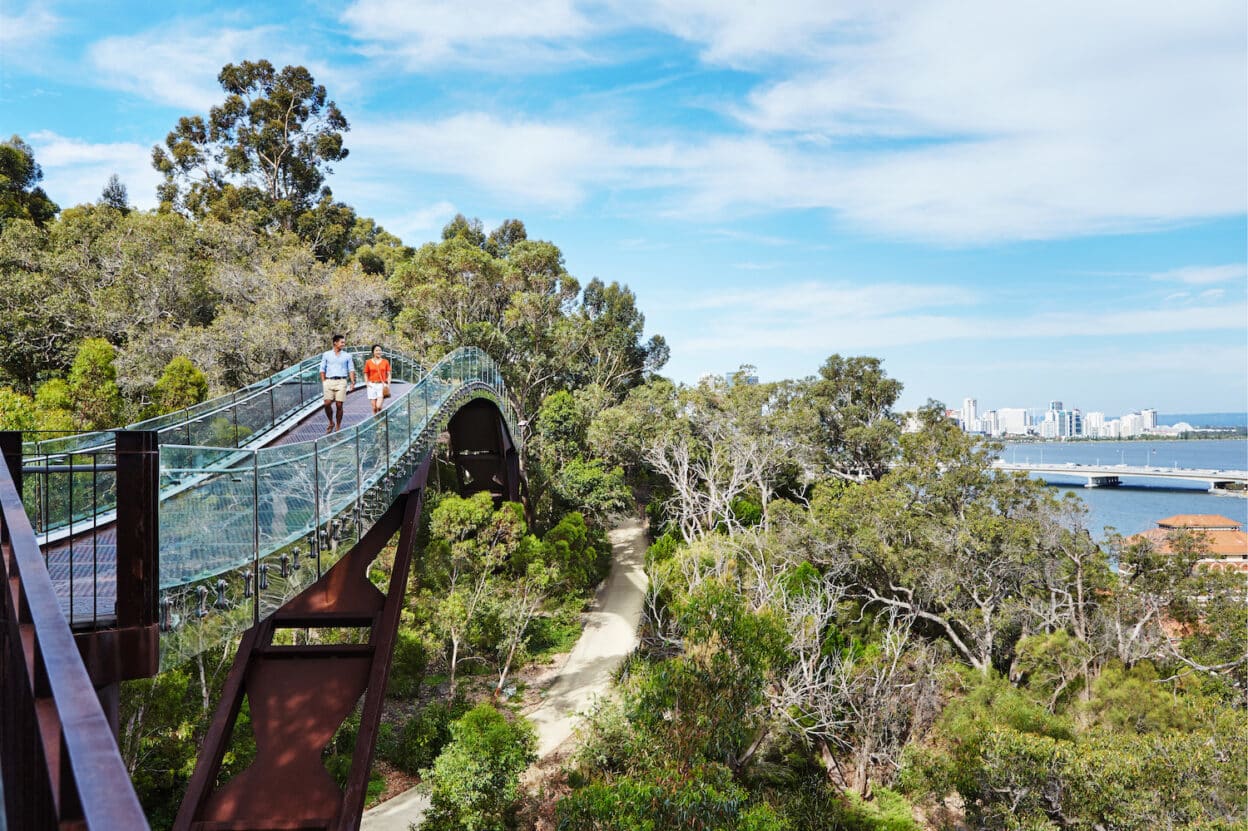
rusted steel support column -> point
(138, 528)
(11, 449)
(130, 649)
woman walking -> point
(377, 376)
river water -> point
(1137, 505)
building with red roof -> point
(1225, 539)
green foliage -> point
(181, 385)
(612, 327)
(93, 387)
(17, 411)
(1017, 766)
(1130, 700)
(20, 194)
(475, 781)
(560, 428)
(580, 554)
(1052, 664)
(558, 632)
(663, 549)
(264, 151)
(424, 735)
(852, 400)
(709, 703)
(746, 512)
(341, 749)
(704, 797)
(620, 435)
(407, 669)
(163, 721)
(114, 194)
(887, 811)
(588, 486)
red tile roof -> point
(1202, 521)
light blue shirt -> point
(337, 365)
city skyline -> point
(776, 182)
(1057, 420)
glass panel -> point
(207, 512)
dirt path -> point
(610, 633)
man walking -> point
(337, 377)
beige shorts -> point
(335, 389)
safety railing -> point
(243, 530)
(69, 486)
(58, 759)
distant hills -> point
(1205, 419)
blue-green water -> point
(1136, 506)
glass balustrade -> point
(244, 529)
(239, 419)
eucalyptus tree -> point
(264, 151)
(21, 197)
(513, 297)
(851, 417)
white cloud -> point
(812, 298)
(1031, 121)
(820, 317)
(746, 32)
(75, 171)
(178, 68)
(434, 33)
(420, 223)
(947, 121)
(178, 65)
(550, 164)
(1200, 275)
(27, 30)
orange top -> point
(1205, 521)
(376, 371)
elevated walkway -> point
(239, 517)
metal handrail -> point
(59, 760)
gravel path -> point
(610, 634)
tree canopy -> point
(264, 152)
(21, 197)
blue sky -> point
(1014, 202)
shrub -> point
(476, 779)
(408, 668)
(705, 797)
(422, 737)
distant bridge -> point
(1111, 476)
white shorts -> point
(375, 391)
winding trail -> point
(610, 633)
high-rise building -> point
(970, 415)
(1149, 420)
(1013, 421)
(1093, 423)
(1132, 425)
(990, 424)
(1055, 406)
